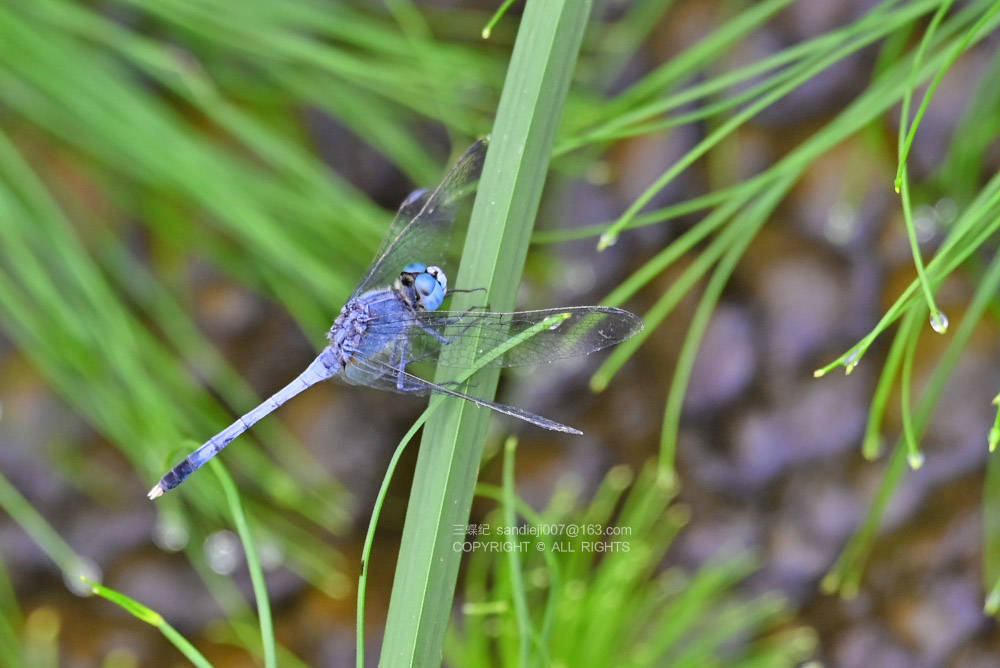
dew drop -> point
(271, 555)
(916, 460)
(841, 224)
(924, 223)
(222, 551)
(41, 627)
(946, 210)
(84, 567)
(939, 322)
(171, 533)
(851, 361)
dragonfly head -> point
(422, 286)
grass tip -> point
(830, 583)
(992, 603)
(666, 479)
(871, 449)
(598, 384)
(849, 591)
(939, 322)
(607, 240)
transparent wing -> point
(388, 379)
(441, 336)
(421, 230)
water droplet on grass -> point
(87, 568)
(171, 533)
(222, 551)
(939, 322)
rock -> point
(726, 361)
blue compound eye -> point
(429, 291)
(415, 268)
(438, 274)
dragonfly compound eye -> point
(438, 274)
(429, 291)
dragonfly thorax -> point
(418, 288)
(423, 288)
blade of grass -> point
(871, 444)
(240, 634)
(253, 563)
(153, 618)
(902, 183)
(753, 218)
(41, 532)
(538, 78)
(11, 621)
(976, 32)
(845, 575)
(991, 536)
(911, 334)
(525, 632)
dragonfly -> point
(393, 320)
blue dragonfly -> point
(393, 319)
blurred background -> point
(190, 189)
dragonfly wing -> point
(459, 338)
(421, 230)
(417, 385)
(381, 373)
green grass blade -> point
(752, 219)
(530, 108)
(11, 621)
(40, 531)
(845, 575)
(153, 618)
(991, 535)
(253, 563)
(513, 558)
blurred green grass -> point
(555, 599)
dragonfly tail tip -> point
(155, 492)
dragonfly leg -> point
(398, 362)
(466, 290)
(450, 339)
(433, 332)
